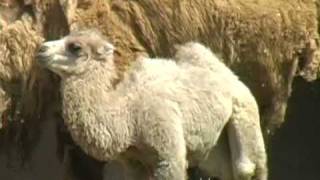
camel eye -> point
(74, 48)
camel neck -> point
(92, 109)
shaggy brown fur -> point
(10, 10)
(266, 43)
(21, 81)
(266, 40)
(21, 33)
(17, 72)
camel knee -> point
(244, 169)
(261, 172)
(171, 163)
(171, 170)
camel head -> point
(76, 53)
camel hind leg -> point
(218, 163)
(246, 142)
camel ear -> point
(106, 49)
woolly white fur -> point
(171, 112)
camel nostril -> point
(43, 49)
